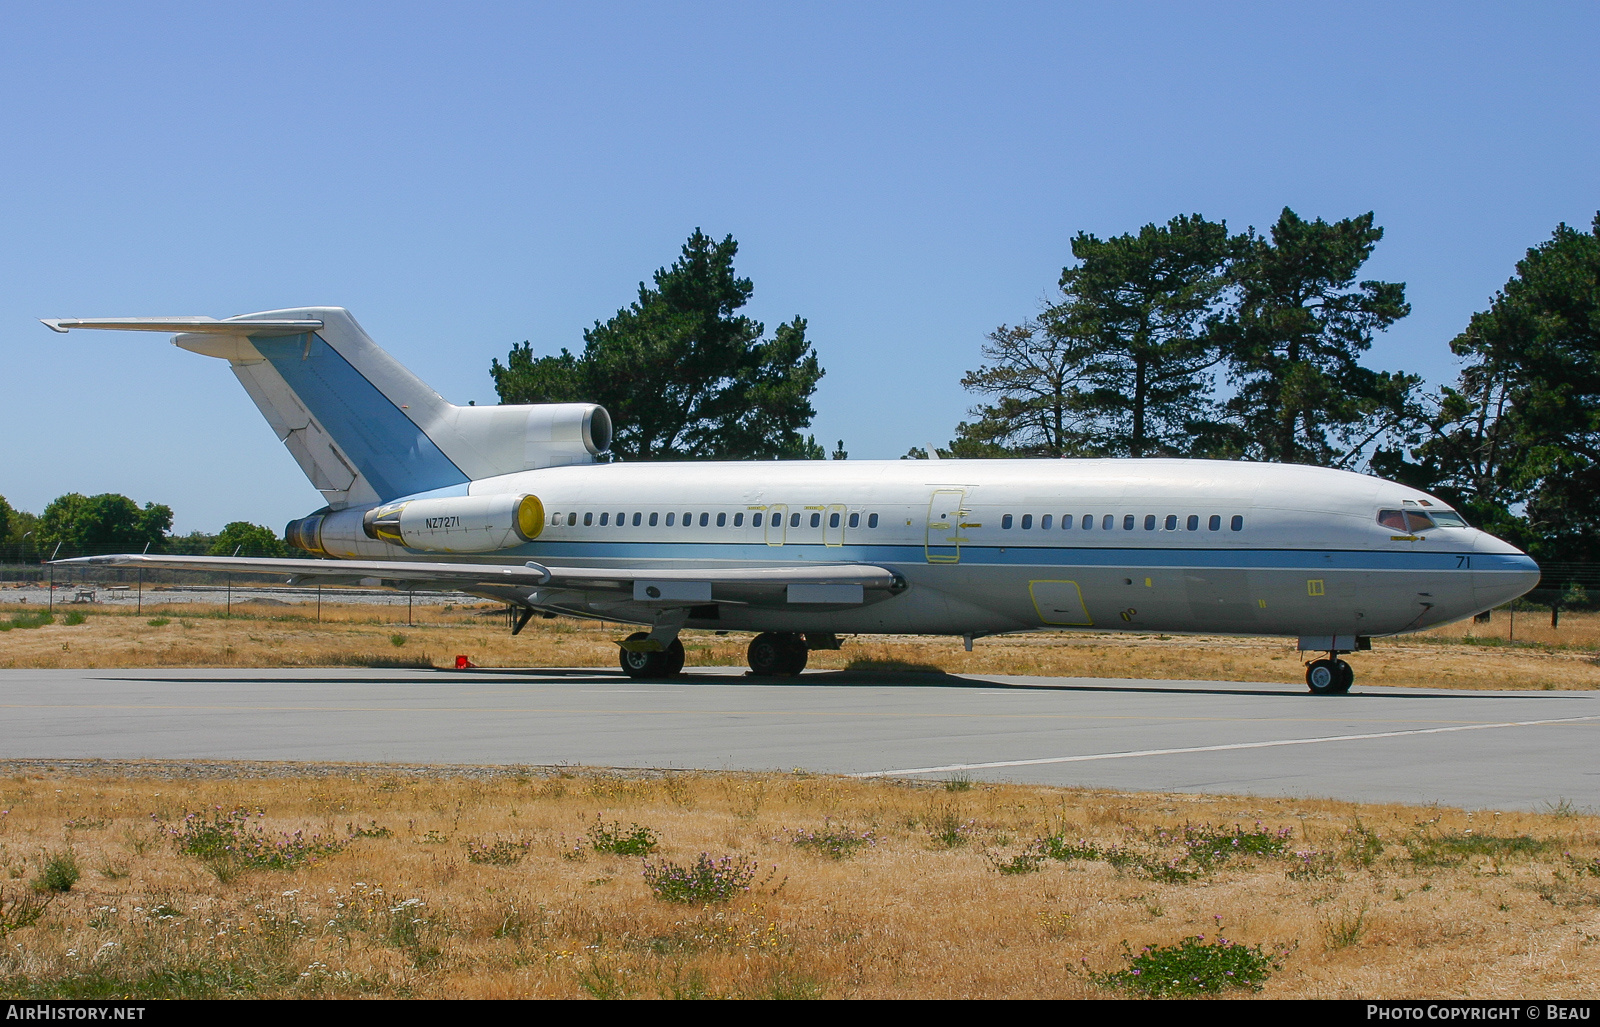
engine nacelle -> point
(461, 524)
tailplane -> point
(362, 427)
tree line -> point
(79, 525)
(1186, 340)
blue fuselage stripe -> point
(789, 553)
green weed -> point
(619, 841)
(499, 853)
(158, 622)
(705, 880)
(1194, 966)
(58, 872)
(831, 841)
(74, 618)
(27, 620)
(228, 841)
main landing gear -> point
(778, 653)
(1331, 676)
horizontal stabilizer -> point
(845, 583)
(201, 325)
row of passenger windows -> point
(756, 519)
(1129, 521)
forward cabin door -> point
(946, 512)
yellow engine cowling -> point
(461, 524)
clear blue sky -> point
(465, 176)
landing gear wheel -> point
(1322, 677)
(651, 665)
(777, 653)
(1347, 676)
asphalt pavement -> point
(1477, 749)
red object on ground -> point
(463, 663)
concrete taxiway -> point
(1503, 750)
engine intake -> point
(464, 524)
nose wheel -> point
(777, 653)
(663, 664)
(1331, 676)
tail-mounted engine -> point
(463, 524)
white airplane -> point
(513, 503)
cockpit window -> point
(1413, 520)
(1448, 519)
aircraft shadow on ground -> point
(909, 676)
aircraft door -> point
(777, 524)
(833, 525)
(946, 511)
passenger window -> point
(635, 520)
(622, 519)
(669, 519)
(605, 519)
(872, 520)
(1127, 522)
(1088, 522)
(1193, 523)
(722, 520)
(1237, 524)
(833, 520)
(1044, 523)
(705, 519)
(1215, 523)
(738, 520)
(1149, 522)
(555, 519)
(855, 520)
(755, 522)
(588, 520)
(794, 520)
(688, 520)
(1005, 522)
(816, 520)
(572, 520)
(653, 518)
(1172, 522)
(1027, 521)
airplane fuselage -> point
(1014, 545)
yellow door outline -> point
(777, 528)
(946, 511)
(832, 536)
(1054, 611)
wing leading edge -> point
(844, 584)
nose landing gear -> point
(1331, 676)
(664, 663)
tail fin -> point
(362, 427)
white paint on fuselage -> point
(1310, 557)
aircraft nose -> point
(1500, 576)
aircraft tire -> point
(796, 657)
(775, 653)
(1322, 677)
(1347, 676)
(651, 665)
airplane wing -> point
(666, 587)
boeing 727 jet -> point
(518, 504)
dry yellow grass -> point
(1381, 901)
(1459, 656)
